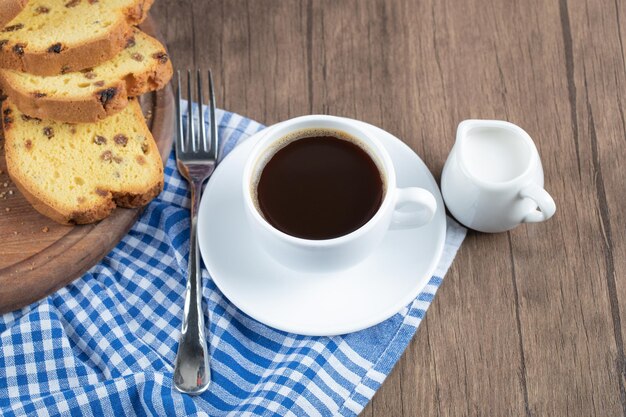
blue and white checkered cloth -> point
(105, 344)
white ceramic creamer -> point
(493, 178)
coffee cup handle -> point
(422, 207)
(544, 201)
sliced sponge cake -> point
(78, 173)
(96, 93)
(51, 37)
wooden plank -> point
(565, 320)
(598, 68)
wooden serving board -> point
(39, 256)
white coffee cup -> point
(321, 256)
(493, 178)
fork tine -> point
(204, 144)
(214, 137)
(189, 139)
(179, 118)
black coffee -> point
(319, 187)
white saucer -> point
(306, 303)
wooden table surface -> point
(526, 323)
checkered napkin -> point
(105, 344)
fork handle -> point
(192, 374)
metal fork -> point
(196, 159)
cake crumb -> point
(45, 229)
(8, 209)
(10, 192)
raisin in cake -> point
(78, 173)
(50, 37)
(95, 93)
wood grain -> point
(39, 256)
(527, 323)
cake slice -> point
(95, 93)
(78, 173)
(9, 9)
(50, 37)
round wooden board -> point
(39, 256)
